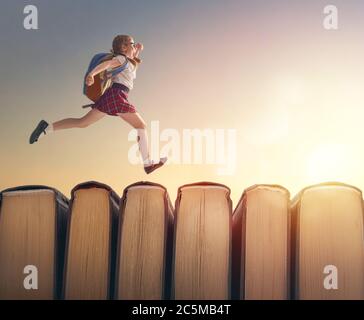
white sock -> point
(147, 162)
(50, 128)
(143, 146)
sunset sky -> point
(292, 90)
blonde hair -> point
(118, 43)
(117, 46)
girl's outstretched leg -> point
(44, 128)
(137, 122)
(88, 119)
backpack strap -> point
(117, 70)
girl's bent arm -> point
(114, 63)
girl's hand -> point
(89, 80)
(139, 47)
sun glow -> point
(330, 162)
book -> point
(144, 243)
(328, 241)
(201, 266)
(91, 239)
(261, 244)
(32, 228)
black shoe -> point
(154, 166)
(38, 131)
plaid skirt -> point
(115, 100)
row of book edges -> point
(98, 245)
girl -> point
(113, 102)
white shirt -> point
(127, 76)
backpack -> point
(102, 80)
